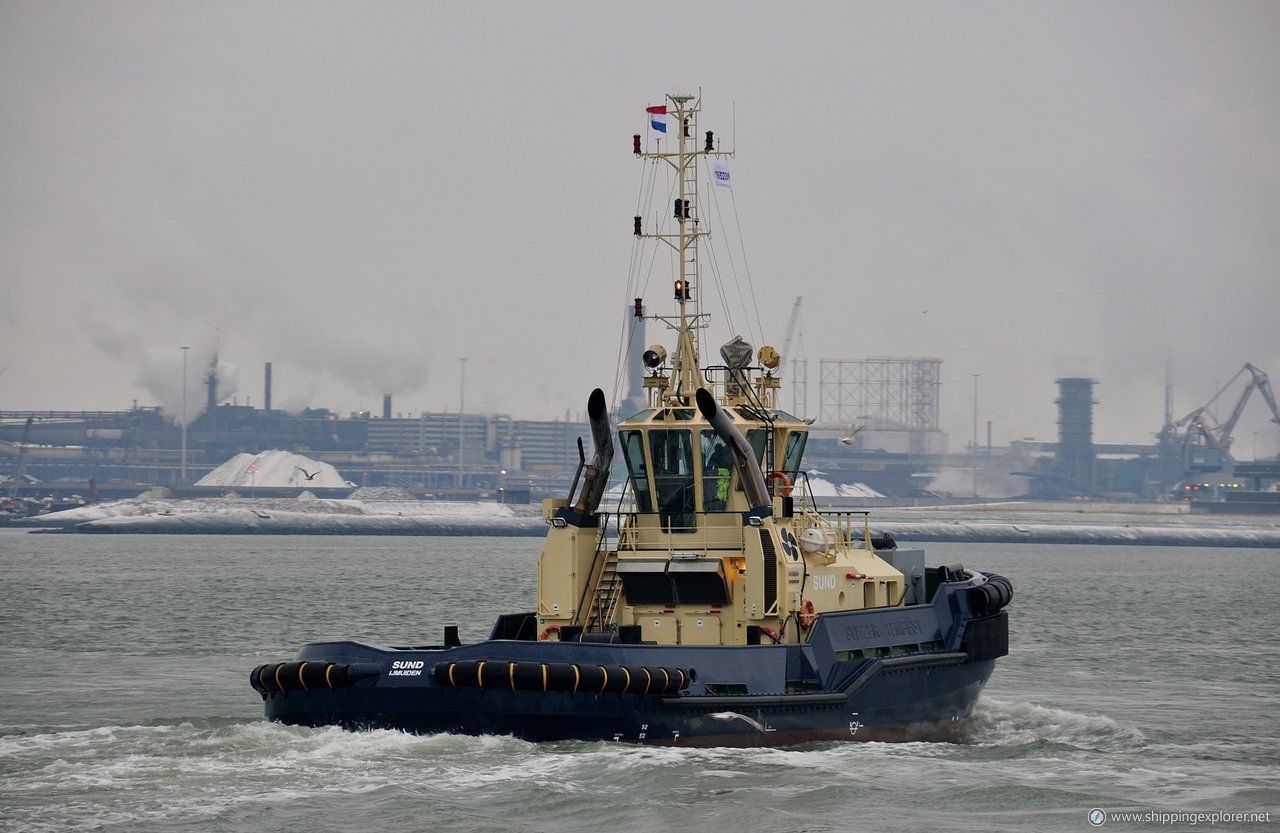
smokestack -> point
(386, 406)
(211, 382)
(266, 398)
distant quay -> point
(1011, 523)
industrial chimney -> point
(386, 406)
(211, 401)
(266, 397)
(636, 398)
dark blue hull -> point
(925, 701)
(888, 674)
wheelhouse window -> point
(633, 453)
(672, 455)
(795, 451)
(717, 466)
(758, 438)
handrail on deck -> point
(712, 540)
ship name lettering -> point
(904, 628)
(406, 668)
(868, 631)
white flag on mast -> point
(720, 171)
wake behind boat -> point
(717, 605)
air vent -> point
(770, 571)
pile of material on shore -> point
(305, 515)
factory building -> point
(878, 427)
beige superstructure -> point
(717, 539)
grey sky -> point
(364, 193)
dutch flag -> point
(657, 117)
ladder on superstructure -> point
(608, 589)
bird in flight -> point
(853, 432)
(310, 475)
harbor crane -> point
(791, 328)
(20, 464)
(1206, 442)
(799, 370)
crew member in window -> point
(716, 481)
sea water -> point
(1141, 680)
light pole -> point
(185, 350)
(974, 447)
(462, 406)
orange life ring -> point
(550, 629)
(808, 614)
(786, 484)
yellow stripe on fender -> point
(300, 680)
(328, 669)
(480, 674)
(604, 682)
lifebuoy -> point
(786, 484)
(808, 614)
(550, 629)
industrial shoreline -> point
(1063, 522)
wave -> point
(253, 775)
(1003, 723)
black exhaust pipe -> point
(748, 468)
(597, 474)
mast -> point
(683, 110)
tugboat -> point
(716, 606)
